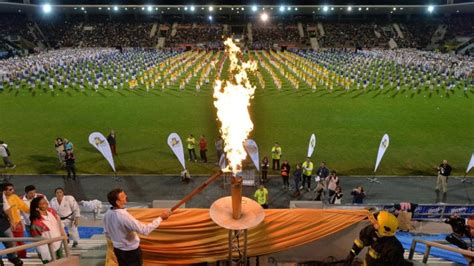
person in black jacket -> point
(444, 171)
(112, 140)
(70, 164)
(384, 248)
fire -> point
(232, 99)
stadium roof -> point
(206, 7)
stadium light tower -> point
(264, 17)
(254, 8)
(47, 8)
(430, 8)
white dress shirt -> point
(68, 205)
(122, 228)
(26, 216)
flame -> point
(232, 99)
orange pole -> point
(236, 193)
(197, 190)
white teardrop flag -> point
(98, 140)
(382, 148)
(176, 145)
(312, 145)
(471, 164)
(252, 150)
(223, 162)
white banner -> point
(382, 148)
(311, 145)
(223, 162)
(471, 164)
(252, 149)
(176, 145)
(98, 140)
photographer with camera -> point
(444, 171)
(460, 230)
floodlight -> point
(115, 8)
(430, 8)
(349, 8)
(401, 8)
(108, 8)
(143, 8)
(210, 18)
(394, 9)
(366, 8)
(254, 8)
(332, 8)
(282, 8)
(325, 8)
(289, 8)
(192, 8)
(360, 8)
(149, 8)
(296, 9)
(100, 8)
(243, 9)
(47, 8)
(82, 8)
(264, 17)
(211, 8)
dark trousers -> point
(8, 233)
(286, 183)
(203, 155)
(306, 179)
(264, 175)
(7, 162)
(129, 258)
(192, 154)
(276, 164)
(71, 170)
(113, 148)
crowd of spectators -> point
(339, 35)
(100, 34)
(206, 35)
(15, 25)
(101, 31)
(265, 37)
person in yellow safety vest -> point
(307, 172)
(276, 156)
(384, 247)
(191, 145)
(261, 194)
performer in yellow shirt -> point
(16, 205)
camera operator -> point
(460, 230)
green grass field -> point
(424, 127)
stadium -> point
(182, 104)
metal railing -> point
(37, 241)
(429, 244)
